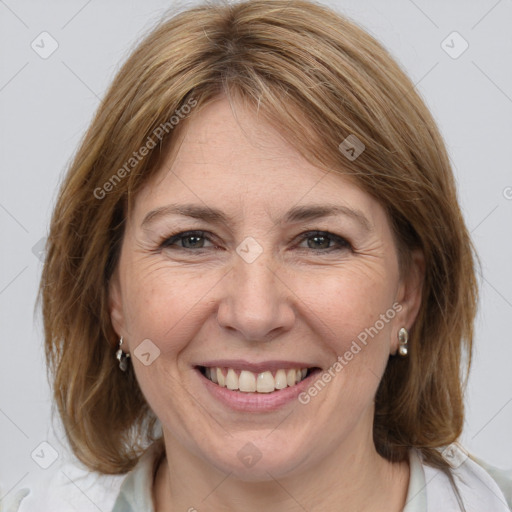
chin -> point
(251, 459)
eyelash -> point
(341, 242)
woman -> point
(259, 287)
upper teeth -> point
(249, 382)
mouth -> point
(256, 382)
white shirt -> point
(69, 489)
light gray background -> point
(46, 105)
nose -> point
(257, 302)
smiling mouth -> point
(249, 382)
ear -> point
(116, 304)
(409, 295)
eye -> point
(188, 240)
(321, 241)
(318, 241)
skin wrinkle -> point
(288, 303)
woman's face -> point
(260, 284)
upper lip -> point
(262, 366)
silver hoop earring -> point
(403, 341)
(122, 357)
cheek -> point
(354, 313)
(165, 304)
(352, 310)
(348, 302)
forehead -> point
(234, 138)
(228, 157)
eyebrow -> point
(296, 214)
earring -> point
(403, 340)
(122, 357)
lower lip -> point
(255, 402)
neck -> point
(355, 479)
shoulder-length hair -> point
(319, 78)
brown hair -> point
(319, 78)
